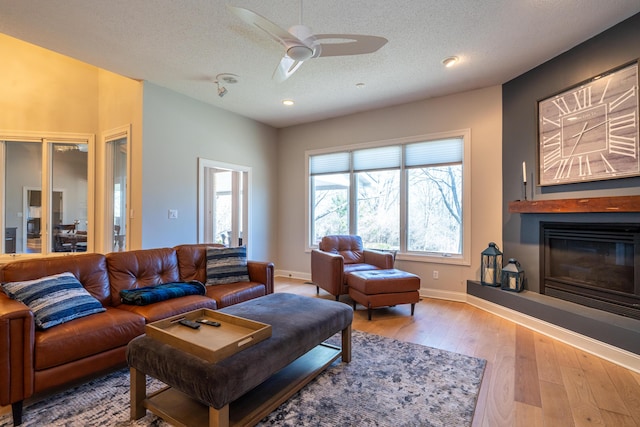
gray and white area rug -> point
(387, 383)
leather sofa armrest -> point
(383, 260)
(327, 271)
(262, 272)
(17, 331)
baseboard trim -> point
(605, 351)
(292, 274)
(446, 295)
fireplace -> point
(596, 265)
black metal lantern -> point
(491, 266)
(513, 276)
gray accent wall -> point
(616, 46)
(521, 236)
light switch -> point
(173, 213)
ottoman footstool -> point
(244, 387)
(383, 288)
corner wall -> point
(176, 131)
(479, 110)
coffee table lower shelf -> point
(179, 409)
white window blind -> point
(377, 158)
(441, 152)
(329, 163)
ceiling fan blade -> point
(355, 44)
(286, 68)
(278, 34)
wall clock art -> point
(590, 131)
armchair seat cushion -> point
(352, 268)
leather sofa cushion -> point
(192, 261)
(85, 337)
(137, 269)
(234, 293)
(172, 307)
(89, 268)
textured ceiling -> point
(183, 45)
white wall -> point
(176, 131)
(479, 110)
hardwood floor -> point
(530, 379)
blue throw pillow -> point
(54, 299)
(227, 265)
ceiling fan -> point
(301, 44)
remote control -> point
(208, 322)
(189, 323)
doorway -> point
(223, 203)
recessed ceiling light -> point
(288, 102)
(359, 85)
(450, 61)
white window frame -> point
(107, 227)
(457, 259)
(47, 140)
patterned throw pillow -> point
(54, 299)
(227, 265)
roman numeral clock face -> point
(590, 132)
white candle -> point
(512, 282)
(488, 277)
(524, 172)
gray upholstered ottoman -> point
(248, 385)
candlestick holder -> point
(525, 190)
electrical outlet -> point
(173, 214)
(435, 274)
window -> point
(45, 192)
(407, 196)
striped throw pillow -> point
(227, 265)
(54, 299)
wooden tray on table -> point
(209, 342)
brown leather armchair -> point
(339, 255)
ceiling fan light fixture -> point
(299, 53)
(450, 61)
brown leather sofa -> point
(339, 255)
(34, 361)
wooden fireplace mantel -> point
(586, 204)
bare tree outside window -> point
(435, 209)
(405, 197)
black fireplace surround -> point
(596, 265)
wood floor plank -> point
(628, 388)
(603, 389)
(546, 360)
(556, 409)
(584, 408)
(528, 416)
(613, 419)
(566, 355)
(501, 408)
(527, 387)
